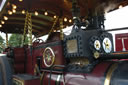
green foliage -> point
(2, 44)
(1, 40)
(15, 40)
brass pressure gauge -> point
(107, 45)
(97, 44)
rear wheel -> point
(1, 79)
(5, 71)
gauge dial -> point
(107, 45)
(97, 44)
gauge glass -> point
(97, 45)
(107, 45)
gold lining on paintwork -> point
(44, 57)
(109, 74)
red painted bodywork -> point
(96, 77)
(19, 60)
(35, 52)
(118, 41)
(59, 59)
(27, 79)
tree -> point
(2, 44)
(15, 40)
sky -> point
(114, 19)
(2, 4)
(117, 19)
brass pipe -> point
(109, 74)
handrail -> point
(117, 29)
(49, 82)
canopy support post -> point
(61, 27)
(27, 28)
(30, 29)
(7, 40)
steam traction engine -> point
(85, 57)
